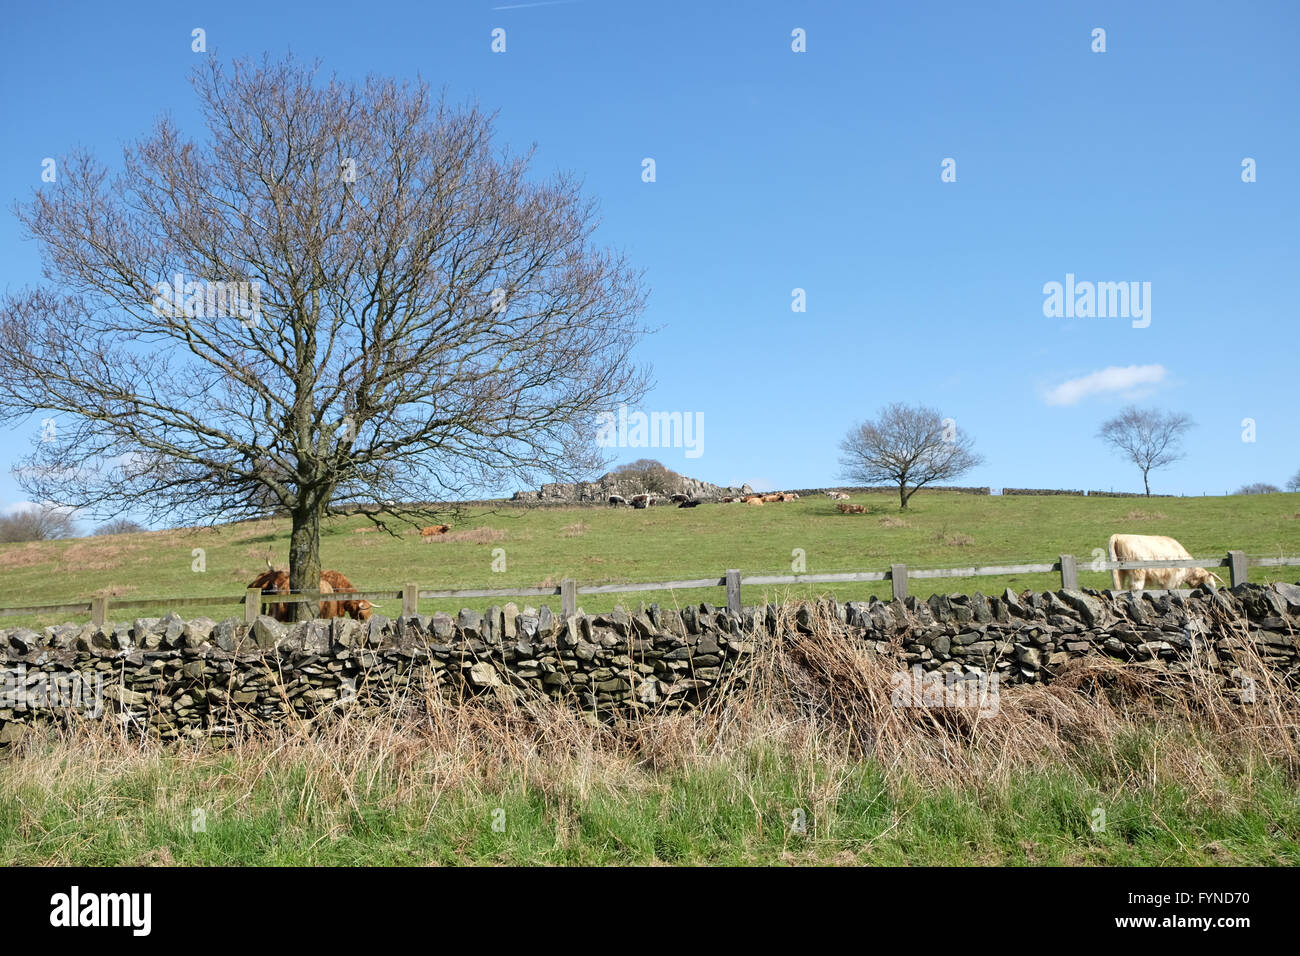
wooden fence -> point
(898, 574)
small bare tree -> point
(1293, 484)
(40, 523)
(1258, 488)
(656, 477)
(343, 294)
(120, 526)
(910, 446)
(1147, 437)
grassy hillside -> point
(604, 545)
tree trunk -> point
(1147, 483)
(304, 557)
(902, 496)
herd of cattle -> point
(649, 501)
(686, 501)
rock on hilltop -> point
(626, 485)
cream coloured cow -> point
(1154, 547)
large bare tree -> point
(342, 293)
(910, 446)
(1147, 437)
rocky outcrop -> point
(626, 486)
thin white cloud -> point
(1128, 380)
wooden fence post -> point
(568, 597)
(98, 611)
(1237, 567)
(898, 578)
(1069, 573)
(252, 604)
(410, 600)
(733, 590)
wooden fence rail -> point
(898, 574)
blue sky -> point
(821, 170)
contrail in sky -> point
(541, 3)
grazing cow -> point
(679, 498)
(360, 610)
(849, 509)
(272, 581)
(429, 533)
(772, 498)
(755, 500)
(616, 500)
(641, 501)
(1154, 547)
(690, 503)
(837, 496)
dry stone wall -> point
(201, 678)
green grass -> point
(739, 810)
(604, 545)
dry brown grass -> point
(1138, 515)
(889, 521)
(93, 555)
(115, 590)
(953, 539)
(815, 696)
(576, 530)
(23, 556)
(471, 536)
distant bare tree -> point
(1294, 483)
(1258, 488)
(910, 446)
(1147, 437)
(656, 478)
(42, 523)
(373, 305)
(120, 526)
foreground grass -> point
(741, 810)
(810, 763)
(539, 547)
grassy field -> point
(604, 545)
(810, 765)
